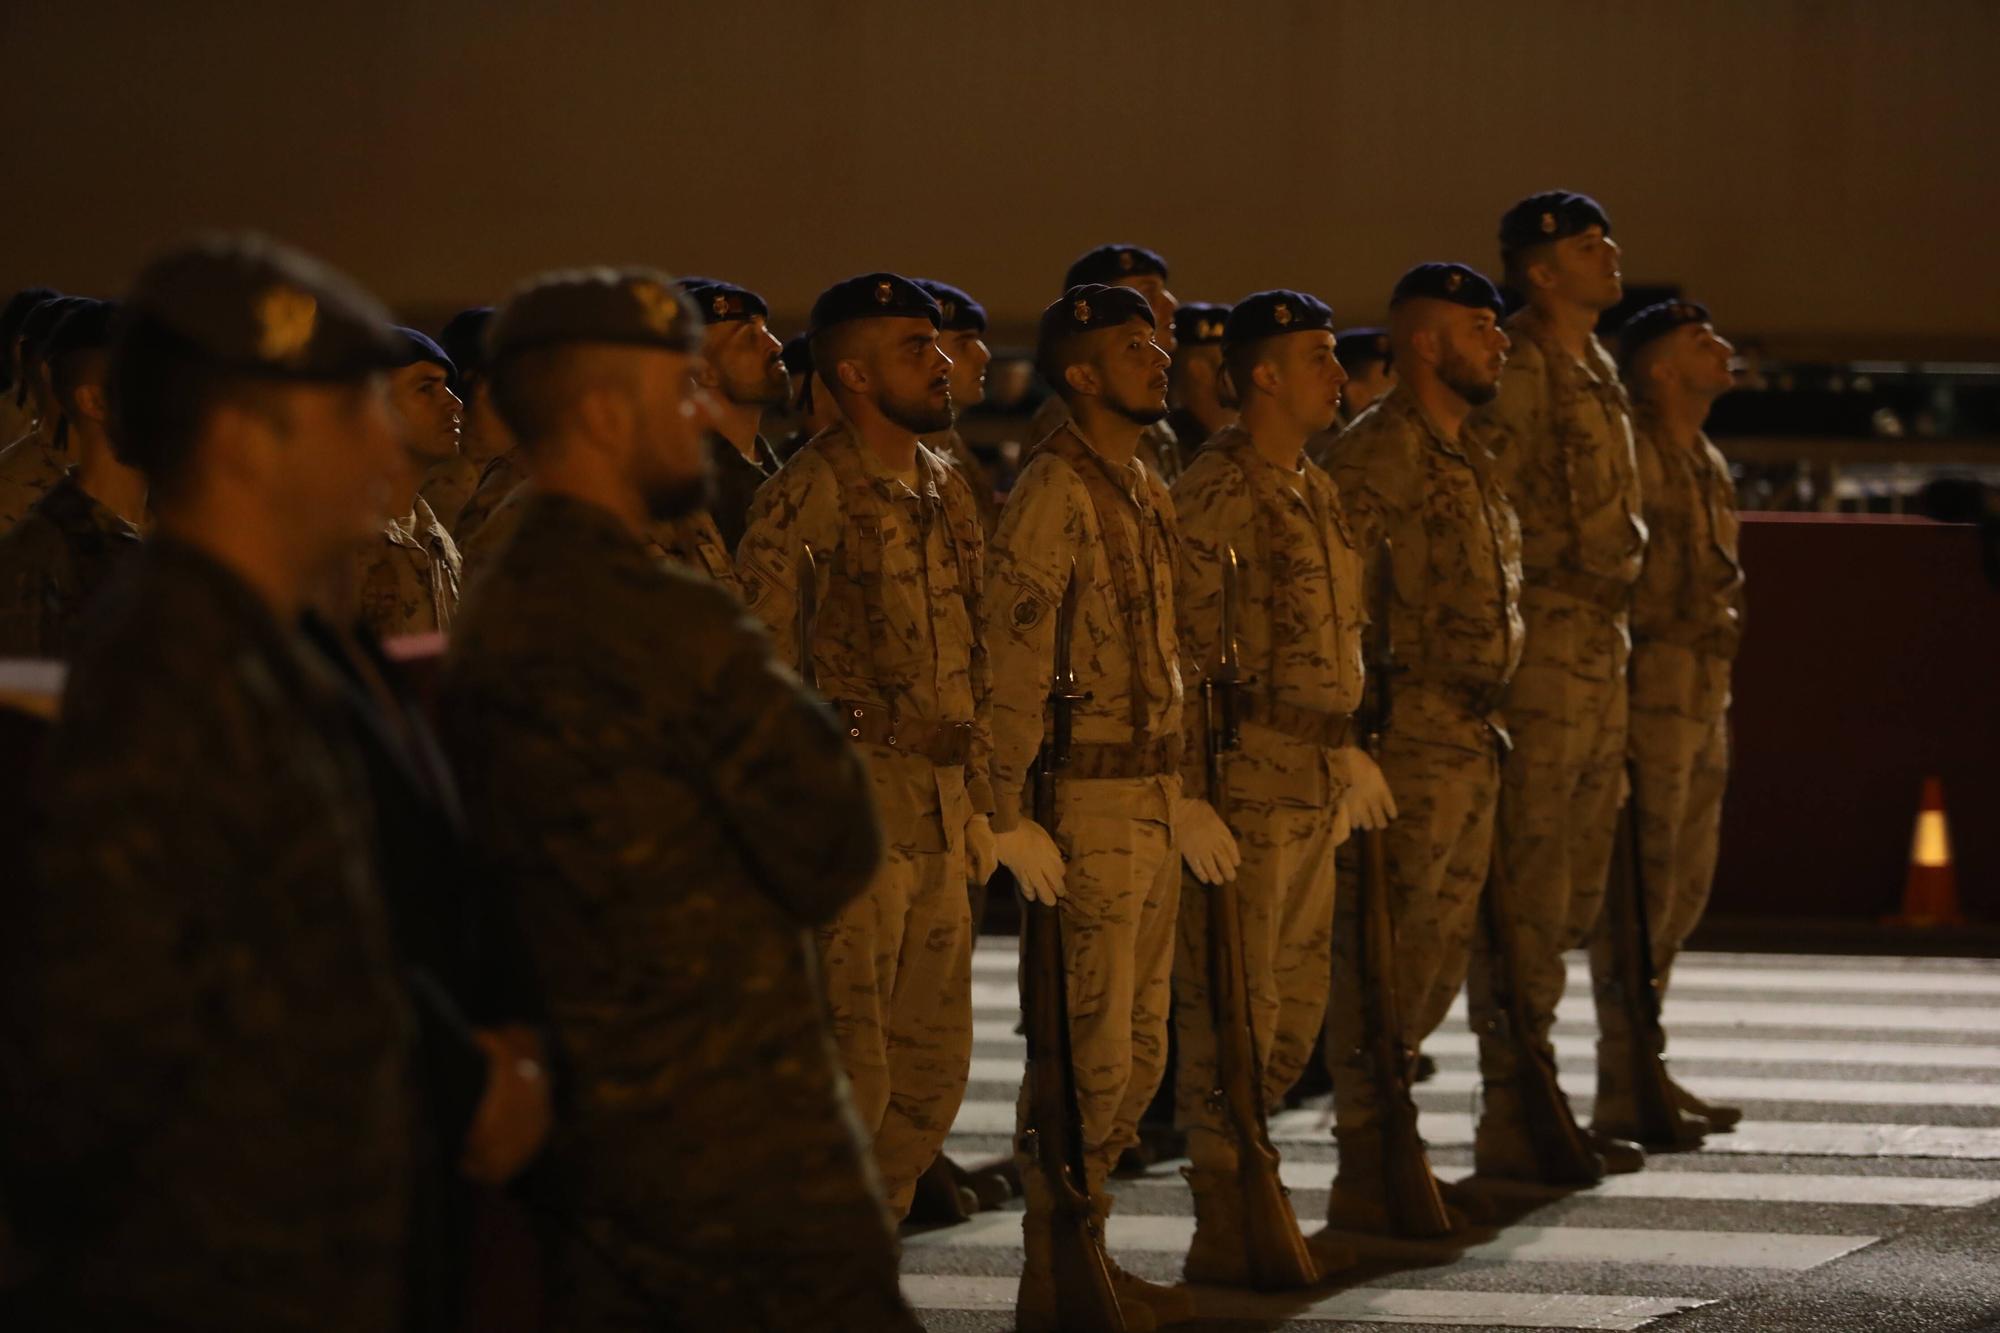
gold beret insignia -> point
(1081, 312)
(884, 293)
(950, 308)
(285, 319)
(1548, 224)
(720, 305)
(1453, 281)
(1282, 313)
(1126, 259)
(657, 306)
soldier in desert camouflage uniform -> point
(208, 1064)
(963, 338)
(673, 813)
(1413, 469)
(896, 651)
(743, 370)
(1298, 777)
(1085, 507)
(1561, 431)
(36, 459)
(1204, 399)
(481, 435)
(1145, 272)
(72, 539)
(407, 582)
(1687, 619)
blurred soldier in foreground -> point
(888, 534)
(1413, 469)
(1204, 399)
(37, 459)
(407, 580)
(17, 412)
(673, 813)
(1145, 272)
(1263, 528)
(56, 558)
(962, 335)
(208, 1063)
(743, 369)
(1687, 620)
(1086, 509)
(1562, 434)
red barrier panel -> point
(1871, 662)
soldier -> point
(208, 1063)
(1204, 400)
(813, 411)
(743, 370)
(1145, 272)
(57, 557)
(481, 436)
(1085, 508)
(1561, 432)
(407, 580)
(37, 459)
(17, 414)
(1369, 358)
(1687, 619)
(895, 649)
(1414, 468)
(962, 336)
(673, 812)
(1299, 777)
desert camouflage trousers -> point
(898, 970)
(1442, 765)
(1559, 799)
(1122, 887)
(1679, 748)
(1284, 895)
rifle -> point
(1277, 1253)
(1657, 1120)
(1053, 1139)
(1563, 1153)
(1416, 1208)
(808, 611)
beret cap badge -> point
(1548, 224)
(949, 307)
(1282, 313)
(285, 319)
(657, 306)
(1454, 281)
(884, 293)
(1082, 312)
(720, 305)
(1126, 260)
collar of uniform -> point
(725, 453)
(1235, 431)
(1596, 366)
(1401, 402)
(76, 511)
(1131, 478)
(889, 482)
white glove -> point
(1029, 851)
(980, 858)
(1367, 800)
(1206, 843)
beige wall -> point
(1823, 167)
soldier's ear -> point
(1082, 377)
(90, 402)
(852, 376)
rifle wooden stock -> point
(1657, 1120)
(1564, 1154)
(1411, 1190)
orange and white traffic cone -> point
(1930, 894)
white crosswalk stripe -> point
(1798, 1040)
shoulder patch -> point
(1029, 610)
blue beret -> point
(1268, 314)
(874, 296)
(719, 301)
(1359, 348)
(85, 324)
(1113, 264)
(1092, 305)
(1199, 323)
(420, 347)
(1656, 321)
(463, 340)
(1448, 282)
(1549, 216)
(41, 320)
(247, 304)
(633, 307)
(962, 314)
(18, 306)
(798, 354)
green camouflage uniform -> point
(690, 541)
(52, 563)
(895, 639)
(1158, 449)
(408, 582)
(673, 813)
(1456, 632)
(29, 467)
(1562, 434)
(209, 1064)
(1299, 617)
(1687, 615)
(1114, 808)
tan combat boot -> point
(1359, 1199)
(1138, 1299)
(1220, 1254)
(1504, 1149)
(1035, 1306)
(1720, 1119)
